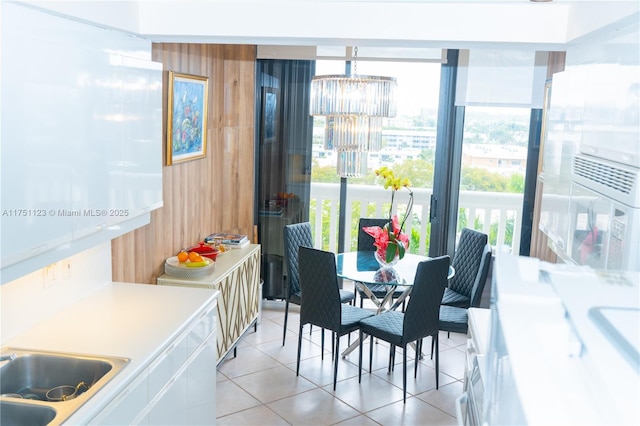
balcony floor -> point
(260, 386)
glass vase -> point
(381, 259)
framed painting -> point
(187, 117)
(269, 114)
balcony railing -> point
(495, 213)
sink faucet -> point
(9, 357)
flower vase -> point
(381, 259)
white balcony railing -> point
(497, 214)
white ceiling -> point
(385, 23)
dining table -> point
(363, 269)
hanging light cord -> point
(355, 60)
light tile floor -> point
(260, 387)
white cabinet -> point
(178, 386)
(81, 134)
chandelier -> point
(354, 106)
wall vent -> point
(619, 182)
(604, 174)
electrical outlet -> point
(66, 269)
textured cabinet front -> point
(237, 277)
(238, 302)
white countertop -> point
(565, 372)
(136, 321)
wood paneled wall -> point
(215, 193)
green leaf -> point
(391, 252)
(401, 250)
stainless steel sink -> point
(26, 377)
(12, 413)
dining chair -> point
(466, 261)
(365, 243)
(298, 235)
(453, 318)
(419, 320)
(321, 304)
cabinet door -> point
(142, 135)
(170, 408)
(127, 406)
(37, 122)
(96, 155)
(201, 384)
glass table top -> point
(362, 266)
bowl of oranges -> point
(189, 264)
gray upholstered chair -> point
(418, 321)
(466, 262)
(454, 318)
(298, 235)
(321, 304)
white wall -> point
(34, 297)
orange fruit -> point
(193, 256)
(183, 256)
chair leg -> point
(361, 335)
(432, 343)
(393, 357)
(333, 344)
(286, 314)
(404, 373)
(336, 359)
(418, 349)
(437, 360)
(322, 344)
(299, 348)
(370, 352)
(392, 350)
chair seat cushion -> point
(346, 296)
(387, 326)
(452, 298)
(351, 317)
(453, 319)
(295, 298)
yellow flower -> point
(390, 180)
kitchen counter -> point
(135, 321)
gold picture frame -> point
(188, 98)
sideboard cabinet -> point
(237, 277)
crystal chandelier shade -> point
(353, 95)
(354, 106)
(353, 133)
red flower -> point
(389, 242)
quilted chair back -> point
(321, 303)
(365, 241)
(295, 236)
(421, 317)
(478, 288)
(466, 261)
